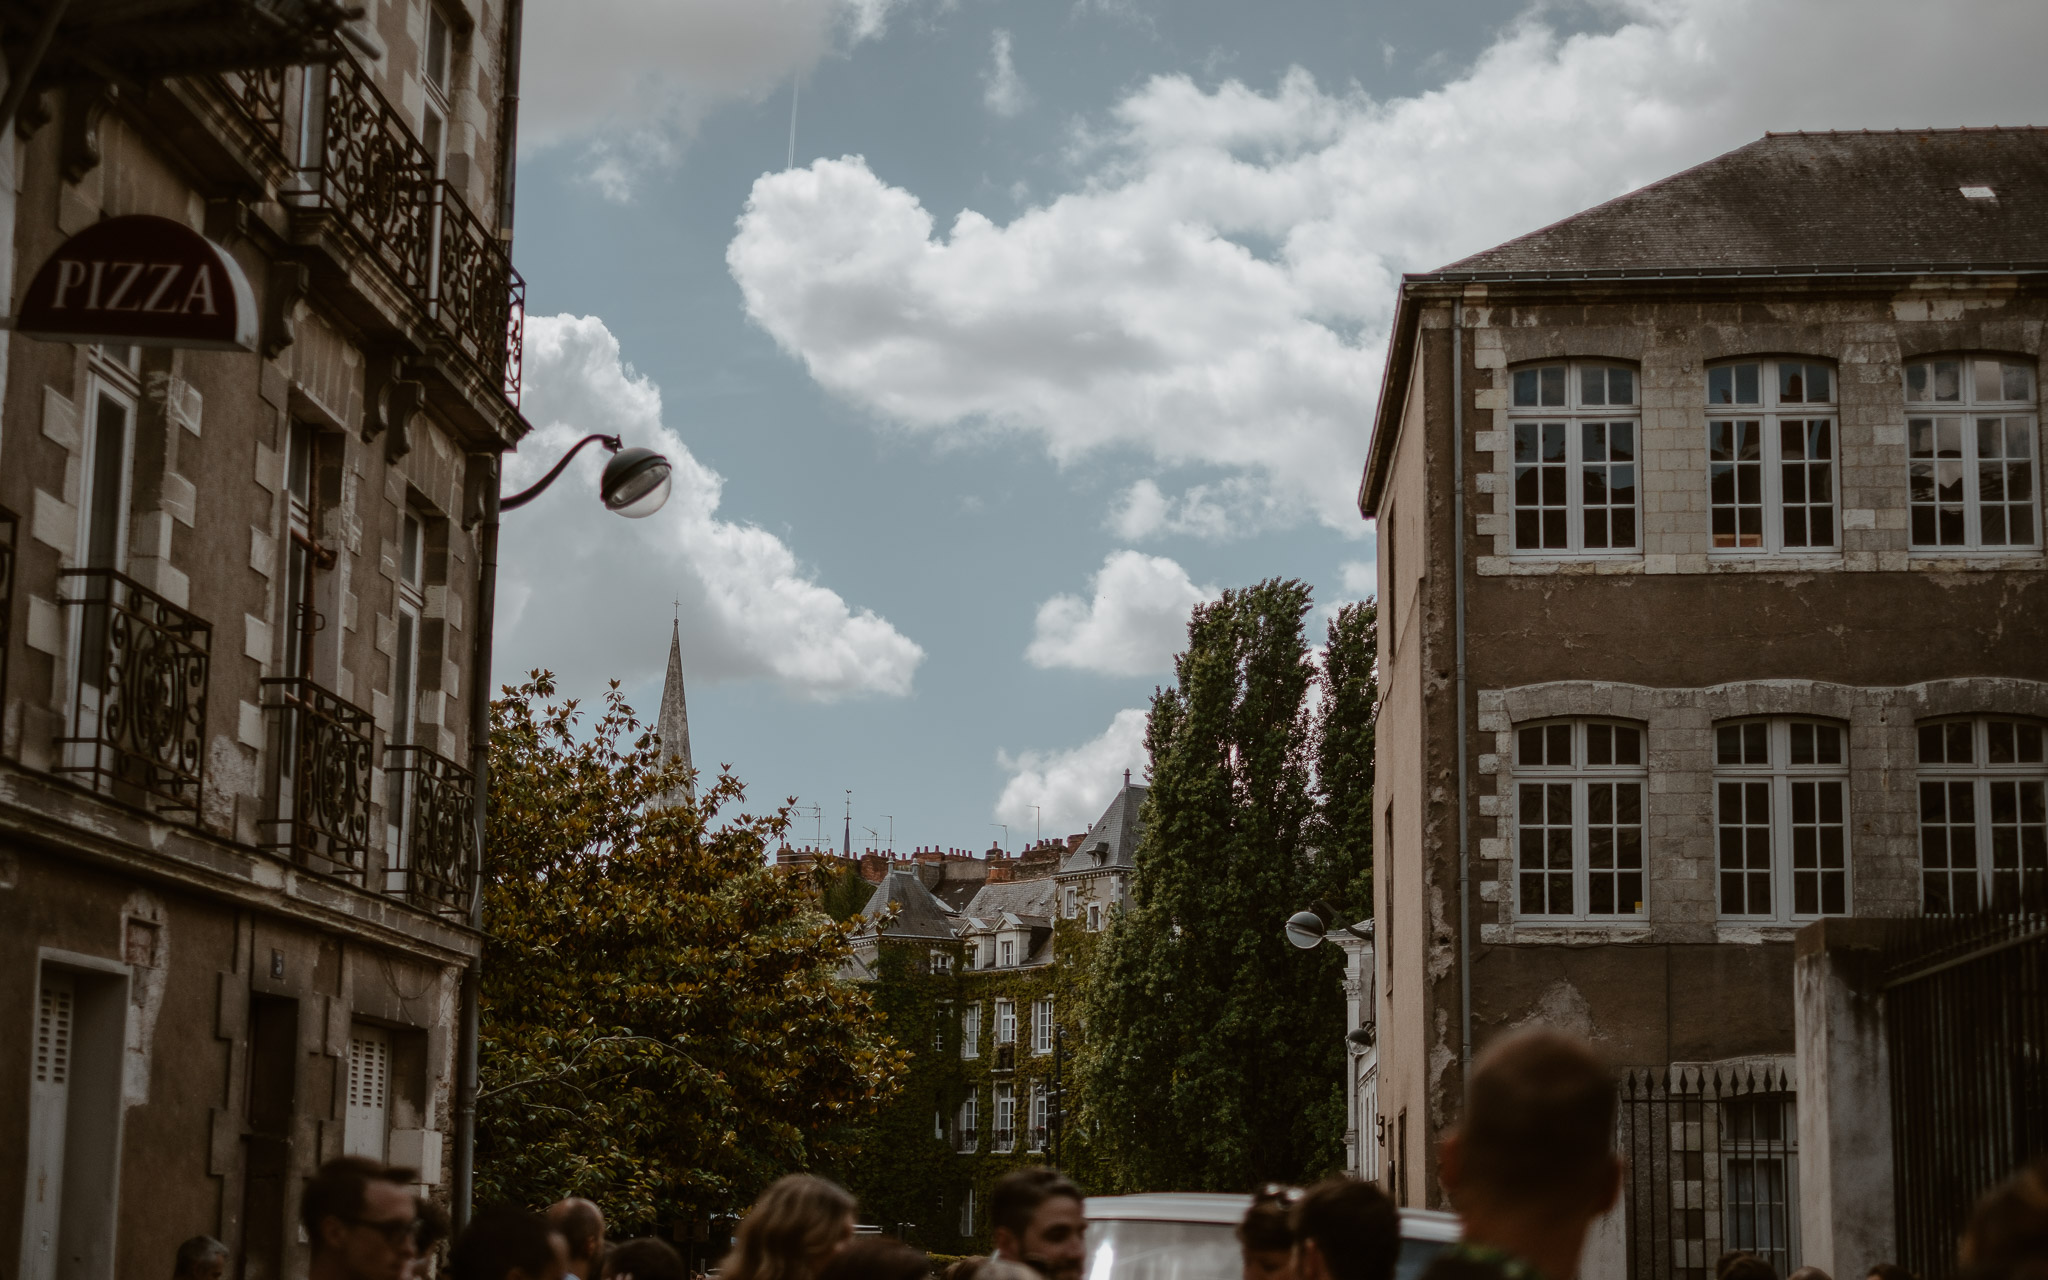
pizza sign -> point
(142, 281)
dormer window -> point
(1008, 951)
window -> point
(1006, 1022)
(1771, 461)
(1041, 1026)
(970, 1031)
(1759, 1141)
(967, 1213)
(1575, 458)
(435, 53)
(304, 554)
(107, 467)
(405, 687)
(1095, 917)
(1008, 951)
(1781, 785)
(942, 1018)
(939, 1124)
(1383, 869)
(1006, 1117)
(970, 1121)
(1971, 468)
(1983, 815)
(1579, 813)
(940, 960)
(369, 1081)
(1035, 1137)
(1071, 902)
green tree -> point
(1213, 1060)
(1345, 725)
(664, 1028)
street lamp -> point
(635, 484)
(1310, 929)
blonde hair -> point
(797, 1221)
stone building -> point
(1712, 599)
(239, 608)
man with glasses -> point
(360, 1216)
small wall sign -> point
(144, 281)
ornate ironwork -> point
(374, 175)
(9, 527)
(258, 97)
(323, 777)
(437, 842)
(478, 298)
(138, 711)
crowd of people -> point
(1529, 1170)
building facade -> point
(240, 596)
(1712, 599)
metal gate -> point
(1966, 1018)
(1713, 1165)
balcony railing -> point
(258, 96)
(477, 297)
(970, 1140)
(1006, 1057)
(322, 778)
(436, 857)
(138, 710)
(1006, 1139)
(9, 529)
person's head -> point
(1039, 1222)
(793, 1229)
(1265, 1242)
(2007, 1238)
(1345, 1229)
(1727, 1258)
(359, 1216)
(201, 1258)
(1747, 1266)
(1809, 1273)
(1534, 1137)
(427, 1234)
(648, 1259)
(582, 1225)
(1888, 1271)
(877, 1258)
(508, 1244)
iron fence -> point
(372, 174)
(1966, 1020)
(322, 778)
(1713, 1160)
(437, 839)
(257, 95)
(138, 705)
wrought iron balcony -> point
(1006, 1057)
(322, 777)
(433, 805)
(1006, 1139)
(258, 96)
(970, 1140)
(138, 708)
(9, 529)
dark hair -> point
(1889, 1271)
(581, 1224)
(876, 1258)
(2007, 1238)
(432, 1228)
(1748, 1266)
(1809, 1273)
(497, 1240)
(337, 1190)
(1722, 1263)
(1265, 1228)
(197, 1250)
(647, 1259)
(1354, 1226)
(1018, 1195)
(1538, 1115)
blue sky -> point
(1067, 315)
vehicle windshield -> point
(1124, 1250)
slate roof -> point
(1023, 898)
(922, 915)
(1800, 200)
(953, 882)
(1120, 827)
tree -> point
(1345, 726)
(663, 1025)
(1213, 1059)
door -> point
(49, 1104)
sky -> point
(988, 337)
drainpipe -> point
(462, 1192)
(508, 154)
(1464, 798)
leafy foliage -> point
(663, 1027)
(1345, 728)
(1213, 1060)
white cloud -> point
(1072, 787)
(1215, 291)
(1234, 507)
(1361, 578)
(633, 78)
(1002, 90)
(589, 595)
(1134, 624)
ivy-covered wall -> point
(906, 1174)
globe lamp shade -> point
(1305, 930)
(636, 482)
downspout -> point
(1464, 799)
(480, 769)
(508, 154)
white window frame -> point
(111, 376)
(1573, 414)
(1036, 1124)
(1768, 408)
(968, 1138)
(1006, 1022)
(941, 960)
(1780, 1153)
(970, 1030)
(1005, 1117)
(967, 1213)
(1007, 950)
(942, 1018)
(1071, 902)
(1095, 917)
(1980, 779)
(1785, 783)
(1041, 1026)
(435, 86)
(409, 619)
(1581, 779)
(1970, 411)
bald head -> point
(1539, 1115)
(582, 1225)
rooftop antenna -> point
(892, 833)
(1006, 836)
(847, 851)
(817, 816)
(873, 834)
(795, 85)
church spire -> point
(674, 726)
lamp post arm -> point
(525, 496)
(1357, 932)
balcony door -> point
(102, 547)
(405, 689)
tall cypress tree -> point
(1214, 1049)
(1344, 752)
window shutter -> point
(49, 1103)
(369, 1071)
